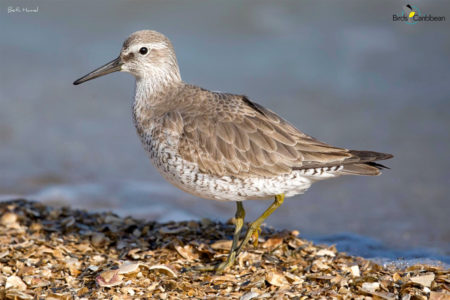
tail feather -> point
(366, 164)
(360, 169)
(369, 156)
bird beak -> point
(112, 66)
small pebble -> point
(98, 239)
(355, 271)
(8, 219)
(14, 282)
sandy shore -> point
(61, 253)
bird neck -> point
(151, 87)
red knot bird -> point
(223, 146)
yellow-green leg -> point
(254, 227)
(252, 230)
(239, 216)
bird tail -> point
(366, 164)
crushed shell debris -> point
(62, 253)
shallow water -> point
(343, 72)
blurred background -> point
(341, 71)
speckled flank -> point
(186, 175)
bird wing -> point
(230, 135)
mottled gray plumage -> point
(228, 135)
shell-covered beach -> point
(61, 253)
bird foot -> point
(255, 236)
(218, 269)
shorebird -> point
(223, 146)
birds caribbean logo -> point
(411, 11)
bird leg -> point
(255, 226)
(252, 230)
(239, 216)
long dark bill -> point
(112, 66)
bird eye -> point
(143, 50)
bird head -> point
(146, 54)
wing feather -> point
(230, 135)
